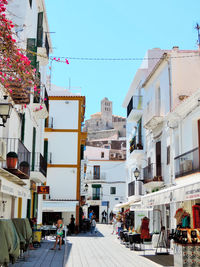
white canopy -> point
(59, 206)
(172, 194)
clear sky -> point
(114, 29)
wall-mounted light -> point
(5, 109)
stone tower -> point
(106, 113)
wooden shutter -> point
(33, 148)
(23, 127)
(31, 46)
(40, 29)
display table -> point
(51, 230)
(186, 254)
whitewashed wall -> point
(64, 113)
(62, 182)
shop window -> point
(113, 190)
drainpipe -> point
(170, 84)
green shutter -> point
(29, 208)
(33, 148)
(96, 186)
(35, 205)
(36, 97)
(46, 150)
(23, 128)
(31, 46)
(40, 30)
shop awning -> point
(59, 206)
(177, 193)
(13, 189)
(139, 207)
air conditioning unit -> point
(2, 150)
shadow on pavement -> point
(88, 234)
(164, 260)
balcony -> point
(96, 197)
(38, 168)
(152, 115)
(49, 123)
(187, 163)
(22, 169)
(91, 178)
(134, 109)
(40, 109)
(136, 147)
(152, 182)
(131, 189)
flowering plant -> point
(16, 72)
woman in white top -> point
(114, 222)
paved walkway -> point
(43, 257)
(103, 250)
(86, 250)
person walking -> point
(59, 234)
(119, 226)
(111, 216)
(93, 225)
(114, 222)
(104, 214)
(72, 224)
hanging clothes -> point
(145, 228)
(196, 216)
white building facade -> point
(163, 89)
(24, 131)
(64, 138)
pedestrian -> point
(111, 216)
(119, 226)
(72, 224)
(114, 222)
(59, 234)
(93, 225)
(104, 214)
(91, 213)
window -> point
(96, 172)
(96, 191)
(102, 154)
(168, 155)
(30, 2)
(113, 190)
(97, 123)
(106, 124)
(40, 30)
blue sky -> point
(114, 29)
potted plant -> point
(24, 167)
(11, 160)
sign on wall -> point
(43, 189)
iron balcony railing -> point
(148, 173)
(135, 103)
(152, 173)
(24, 156)
(101, 176)
(96, 197)
(49, 122)
(187, 163)
(136, 143)
(131, 189)
(39, 164)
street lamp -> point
(136, 173)
(86, 187)
(5, 109)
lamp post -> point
(86, 187)
(5, 109)
(136, 173)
